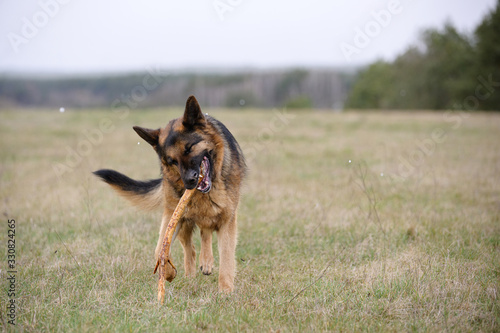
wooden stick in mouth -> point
(164, 265)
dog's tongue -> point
(205, 184)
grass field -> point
(348, 222)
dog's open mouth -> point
(206, 183)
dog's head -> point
(184, 145)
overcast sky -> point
(88, 36)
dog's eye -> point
(187, 149)
(170, 161)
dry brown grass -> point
(324, 244)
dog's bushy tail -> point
(147, 195)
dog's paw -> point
(207, 267)
(226, 287)
(206, 263)
(206, 270)
(191, 272)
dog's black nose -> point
(191, 179)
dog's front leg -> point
(167, 214)
(206, 254)
(185, 237)
(226, 236)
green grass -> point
(324, 244)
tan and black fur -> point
(181, 147)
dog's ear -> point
(192, 115)
(151, 136)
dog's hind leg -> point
(226, 237)
(206, 254)
(185, 236)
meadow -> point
(356, 221)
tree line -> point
(292, 88)
(445, 70)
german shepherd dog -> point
(182, 146)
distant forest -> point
(446, 70)
(294, 88)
